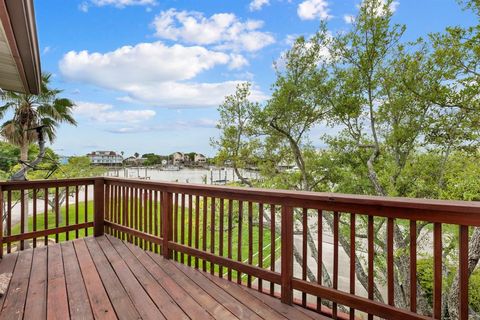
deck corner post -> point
(167, 222)
(287, 255)
(99, 207)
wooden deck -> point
(106, 278)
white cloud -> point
(105, 113)
(84, 6)
(349, 18)
(155, 74)
(46, 50)
(256, 5)
(223, 30)
(313, 9)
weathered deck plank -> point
(36, 305)
(57, 301)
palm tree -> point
(45, 110)
(31, 111)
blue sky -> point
(147, 75)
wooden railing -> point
(269, 239)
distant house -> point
(178, 158)
(105, 158)
(200, 158)
(133, 161)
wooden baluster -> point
(167, 223)
(124, 210)
(86, 209)
(22, 216)
(150, 217)
(34, 209)
(67, 212)
(371, 253)
(141, 212)
(230, 236)
(190, 227)
(204, 233)
(9, 219)
(390, 252)
(272, 245)
(1, 222)
(77, 212)
(175, 224)
(197, 227)
(437, 270)
(57, 214)
(212, 233)
(304, 252)
(108, 198)
(352, 260)
(131, 218)
(99, 207)
(250, 240)
(319, 255)
(287, 255)
(463, 272)
(137, 213)
(182, 226)
(260, 243)
(335, 260)
(239, 242)
(145, 217)
(155, 216)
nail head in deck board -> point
(196, 292)
(57, 302)
(139, 297)
(177, 292)
(36, 304)
(158, 295)
(13, 306)
(99, 302)
(78, 302)
(118, 296)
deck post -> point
(287, 255)
(99, 207)
(167, 223)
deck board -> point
(107, 278)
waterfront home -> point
(105, 158)
(199, 158)
(178, 158)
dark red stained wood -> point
(131, 212)
(42, 233)
(145, 216)
(370, 260)
(239, 239)
(78, 302)
(22, 216)
(94, 259)
(198, 293)
(287, 255)
(99, 207)
(229, 236)
(1, 223)
(156, 292)
(13, 305)
(145, 306)
(77, 213)
(304, 252)
(9, 219)
(67, 211)
(45, 214)
(212, 232)
(177, 292)
(272, 245)
(34, 209)
(463, 272)
(7, 266)
(336, 218)
(390, 252)
(197, 227)
(204, 231)
(437, 270)
(320, 255)
(260, 243)
(85, 218)
(413, 266)
(175, 223)
(182, 226)
(136, 224)
(57, 302)
(156, 218)
(57, 213)
(108, 199)
(250, 240)
(150, 216)
(190, 225)
(36, 304)
(352, 260)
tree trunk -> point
(24, 159)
